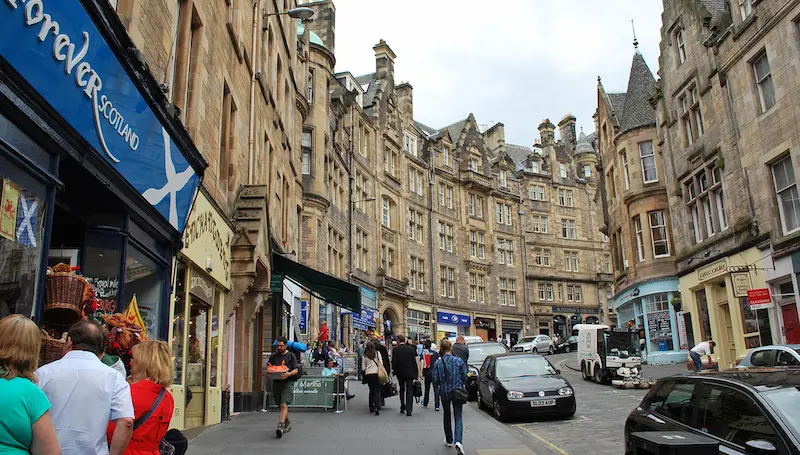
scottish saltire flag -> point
(27, 219)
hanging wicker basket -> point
(66, 292)
(52, 348)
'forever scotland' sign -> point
(56, 47)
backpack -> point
(426, 356)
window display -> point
(143, 280)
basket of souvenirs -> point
(52, 348)
(123, 334)
(66, 292)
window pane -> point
(723, 412)
(784, 173)
(790, 203)
(762, 67)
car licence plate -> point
(541, 403)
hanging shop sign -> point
(56, 47)
(759, 298)
(712, 270)
(455, 319)
(207, 240)
(303, 316)
(741, 283)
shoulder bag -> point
(383, 377)
(164, 447)
(458, 394)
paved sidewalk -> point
(357, 432)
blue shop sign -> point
(450, 318)
(56, 47)
(303, 315)
(365, 320)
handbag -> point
(164, 447)
(458, 394)
(383, 376)
(417, 390)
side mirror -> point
(760, 447)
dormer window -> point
(535, 166)
(410, 144)
(504, 179)
(473, 164)
(563, 168)
(681, 46)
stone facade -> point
(730, 160)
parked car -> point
(737, 408)
(468, 339)
(787, 355)
(523, 385)
(477, 354)
(568, 345)
(536, 344)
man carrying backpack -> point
(428, 359)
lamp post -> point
(302, 13)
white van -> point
(603, 350)
(468, 339)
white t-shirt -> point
(703, 348)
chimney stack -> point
(405, 101)
(547, 132)
(384, 61)
(566, 129)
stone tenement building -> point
(725, 115)
(637, 214)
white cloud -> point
(515, 61)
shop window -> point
(144, 282)
(755, 325)
(702, 308)
(179, 323)
(102, 267)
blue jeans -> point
(698, 362)
(448, 423)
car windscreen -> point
(479, 352)
(621, 344)
(786, 401)
(521, 366)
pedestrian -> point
(450, 373)
(86, 395)
(26, 425)
(323, 332)
(152, 372)
(321, 355)
(428, 359)
(702, 348)
(371, 365)
(406, 367)
(387, 365)
(460, 349)
(283, 386)
(359, 358)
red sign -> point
(758, 298)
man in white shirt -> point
(86, 394)
(702, 348)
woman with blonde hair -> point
(25, 423)
(151, 374)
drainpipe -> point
(431, 189)
(251, 134)
(594, 249)
(524, 249)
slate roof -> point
(372, 89)
(425, 128)
(584, 144)
(456, 129)
(638, 111)
(518, 153)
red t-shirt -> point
(146, 438)
(323, 333)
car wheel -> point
(535, 351)
(598, 374)
(481, 404)
(567, 349)
(585, 371)
(498, 411)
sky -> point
(513, 61)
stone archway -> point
(391, 320)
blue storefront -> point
(450, 324)
(648, 306)
(354, 325)
(95, 171)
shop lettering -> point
(205, 224)
(712, 270)
(86, 78)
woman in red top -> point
(151, 371)
(323, 331)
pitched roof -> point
(425, 128)
(584, 144)
(372, 88)
(518, 153)
(638, 111)
(456, 128)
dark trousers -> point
(374, 391)
(428, 384)
(698, 361)
(452, 411)
(406, 394)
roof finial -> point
(635, 41)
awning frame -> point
(320, 285)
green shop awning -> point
(320, 285)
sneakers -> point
(437, 408)
(283, 427)
(448, 444)
(287, 426)
(459, 449)
(279, 430)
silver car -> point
(538, 344)
(784, 355)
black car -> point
(733, 407)
(522, 384)
(568, 345)
(477, 354)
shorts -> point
(283, 392)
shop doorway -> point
(197, 364)
(791, 324)
(727, 327)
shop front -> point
(451, 323)
(203, 279)
(418, 321)
(93, 171)
(360, 326)
(544, 322)
(782, 282)
(725, 302)
(485, 327)
(648, 306)
(565, 317)
(511, 329)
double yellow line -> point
(548, 443)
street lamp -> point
(295, 13)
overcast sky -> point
(511, 61)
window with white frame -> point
(763, 75)
(508, 291)
(417, 279)
(745, 8)
(503, 213)
(473, 164)
(477, 287)
(568, 229)
(503, 287)
(336, 262)
(562, 170)
(364, 149)
(786, 192)
(446, 156)
(648, 158)
(387, 260)
(505, 251)
(504, 179)
(362, 250)
(538, 193)
(607, 263)
(535, 166)
(307, 152)
(658, 233)
(416, 180)
(571, 261)
(691, 115)
(390, 162)
(680, 44)
(545, 292)
(626, 173)
(386, 212)
(415, 225)
(447, 280)
(446, 237)
(565, 197)
(310, 88)
(477, 244)
(587, 171)
(410, 144)
(475, 205)
(705, 200)
(546, 257)
(637, 227)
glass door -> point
(197, 362)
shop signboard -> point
(759, 298)
(741, 283)
(659, 325)
(366, 319)
(207, 240)
(313, 392)
(276, 283)
(579, 310)
(682, 336)
(303, 316)
(712, 270)
(455, 319)
(56, 47)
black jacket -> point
(385, 356)
(405, 362)
(461, 350)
